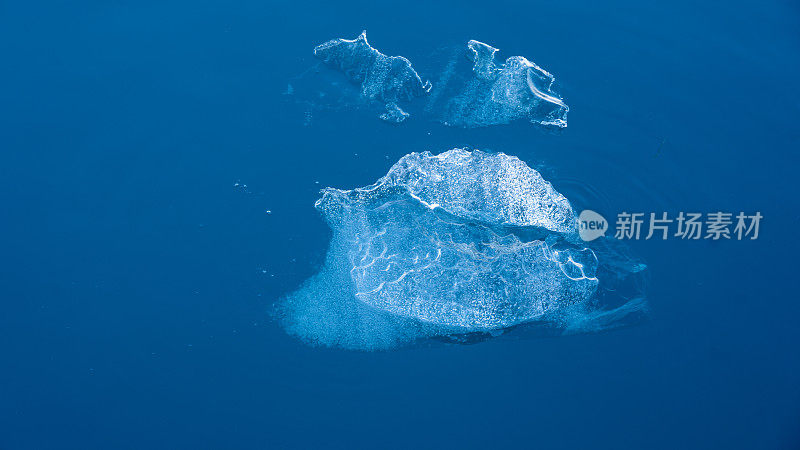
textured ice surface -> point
(490, 187)
(487, 92)
(472, 88)
(449, 244)
(428, 243)
(385, 78)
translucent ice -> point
(490, 187)
(428, 241)
(385, 78)
(488, 93)
(472, 88)
(461, 242)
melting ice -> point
(472, 88)
(460, 242)
(388, 79)
(491, 92)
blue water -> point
(136, 278)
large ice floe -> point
(471, 89)
(458, 244)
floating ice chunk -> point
(473, 89)
(385, 78)
(461, 242)
(428, 241)
(489, 93)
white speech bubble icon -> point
(591, 225)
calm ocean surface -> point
(137, 278)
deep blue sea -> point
(142, 144)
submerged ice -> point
(460, 242)
(428, 242)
